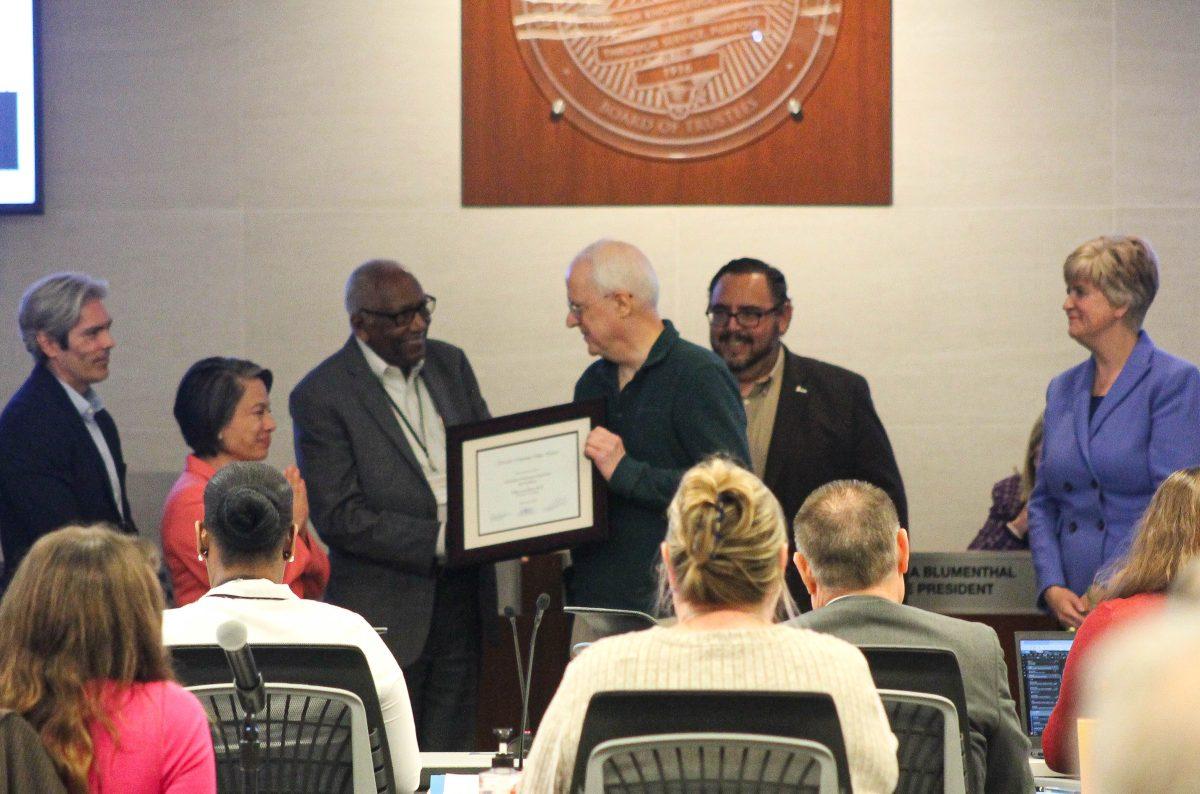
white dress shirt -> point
(418, 417)
(88, 406)
(273, 614)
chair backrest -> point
(603, 622)
(931, 670)
(24, 763)
(795, 715)
(337, 666)
(313, 740)
(710, 762)
(929, 753)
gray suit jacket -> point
(998, 759)
(369, 499)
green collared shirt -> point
(681, 406)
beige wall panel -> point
(350, 104)
(1156, 108)
(140, 105)
(1174, 319)
(1002, 104)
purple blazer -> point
(1096, 476)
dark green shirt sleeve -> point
(706, 417)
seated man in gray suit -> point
(852, 554)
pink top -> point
(1059, 739)
(307, 575)
(163, 742)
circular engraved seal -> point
(676, 79)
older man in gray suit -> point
(852, 554)
(370, 426)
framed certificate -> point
(520, 485)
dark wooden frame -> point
(456, 554)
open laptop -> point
(1041, 656)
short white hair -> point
(620, 267)
(1143, 689)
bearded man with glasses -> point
(370, 426)
(808, 422)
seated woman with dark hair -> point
(1166, 540)
(723, 561)
(246, 538)
(224, 412)
(81, 657)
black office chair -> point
(602, 622)
(24, 763)
(928, 750)
(934, 671)
(336, 666)
(796, 715)
(311, 739)
(711, 763)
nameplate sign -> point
(973, 582)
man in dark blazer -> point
(60, 455)
(370, 438)
(852, 554)
(809, 422)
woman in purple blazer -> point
(1116, 425)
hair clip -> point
(722, 501)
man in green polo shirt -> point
(668, 404)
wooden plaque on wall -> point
(517, 152)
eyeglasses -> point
(576, 310)
(747, 316)
(406, 315)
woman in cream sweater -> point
(723, 562)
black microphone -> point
(511, 614)
(231, 636)
(543, 603)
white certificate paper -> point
(520, 485)
(525, 483)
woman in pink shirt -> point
(224, 412)
(1166, 541)
(81, 657)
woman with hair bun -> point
(223, 408)
(81, 657)
(247, 538)
(723, 562)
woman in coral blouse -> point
(82, 659)
(1166, 541)
(224, 413)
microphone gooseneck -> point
(231, 636)
(511, 614)
(543, 603)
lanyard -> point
(418, 437)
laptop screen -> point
(1040, 659)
